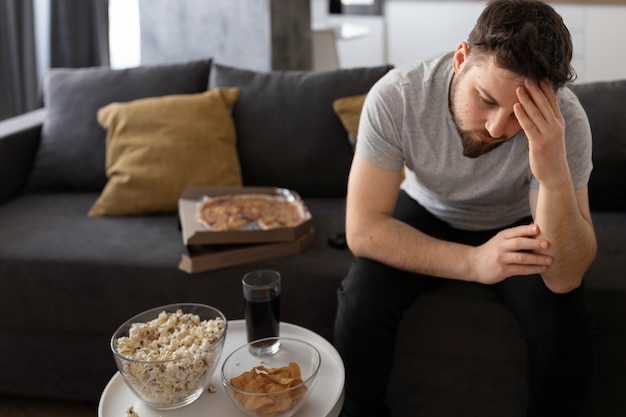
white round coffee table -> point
(326, 398)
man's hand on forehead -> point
(539, 115)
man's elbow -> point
(357, 243)
(563, 287)
(569, 279)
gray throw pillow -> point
(287, 132)
(71, 154)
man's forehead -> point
(496, 82)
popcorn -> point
(130, 412)
(163, 363)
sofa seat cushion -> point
(72, 150)
(92, 264)
(287, 132)
(46, 227)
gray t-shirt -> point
(406, 120)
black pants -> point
(373, 298)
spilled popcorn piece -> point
(130, 412)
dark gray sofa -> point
(67, 281)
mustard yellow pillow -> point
(348, 109)
(157, 147)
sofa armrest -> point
(19, 140)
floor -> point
(23, 407)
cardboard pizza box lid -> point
(208, 258)
(194, 233)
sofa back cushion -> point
(605, 104)
(287, 132)
(71, 154)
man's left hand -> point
(540, 117)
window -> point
(124, 33)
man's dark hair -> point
(526, 37)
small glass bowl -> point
(281, 403)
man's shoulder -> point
(567, 99)
(571, 108)
(566, 94)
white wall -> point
(605, 35)
(255, 34)
(420, 29)
(232, 32)
(415, 30)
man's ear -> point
(460, 56)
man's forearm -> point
(399, 245)
(570, 233)
(508, 253)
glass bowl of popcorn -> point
(167, 355)
(273, 385)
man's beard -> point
(472, 148)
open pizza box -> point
(209, 250)
(195, 233)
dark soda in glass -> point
(263, 317)
(261, 294)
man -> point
(498, 157)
